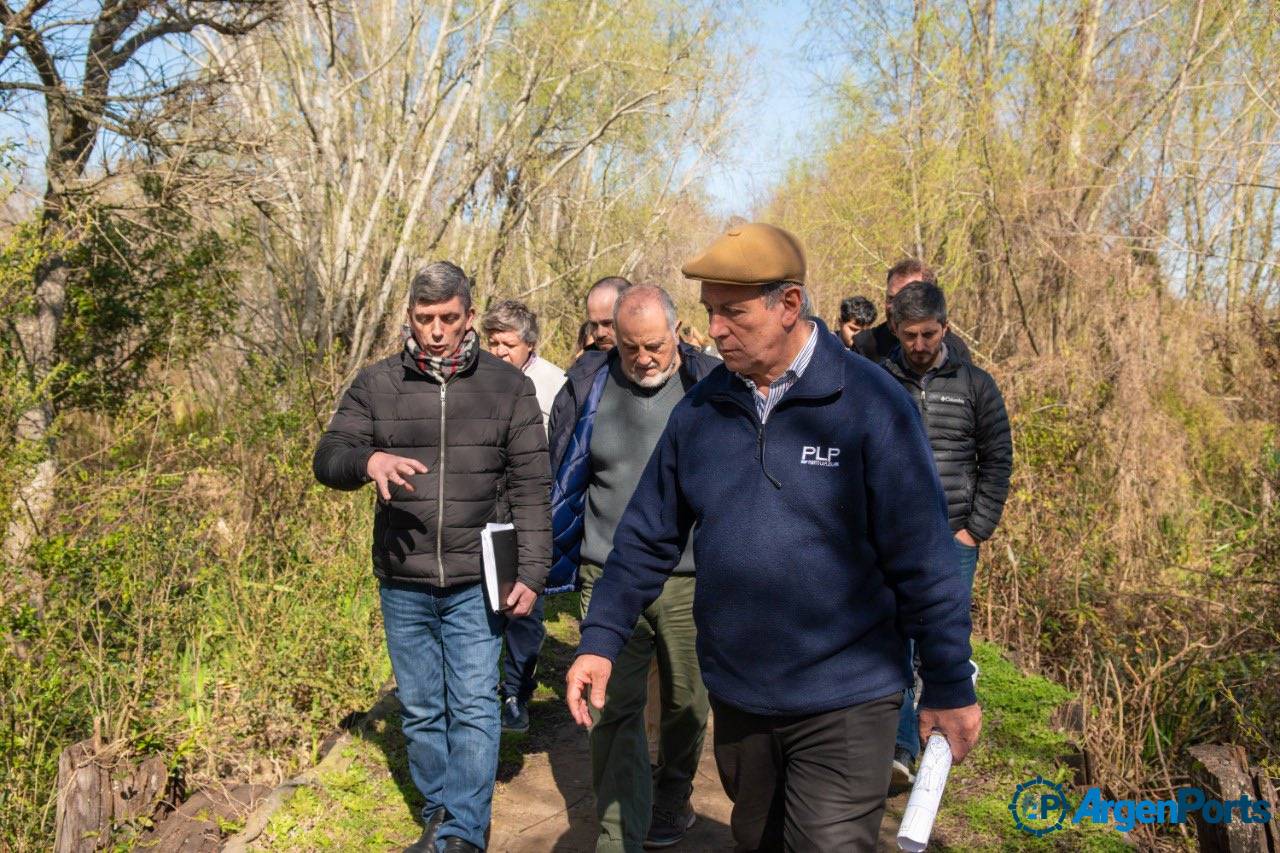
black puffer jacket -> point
(968, 430)
(480, 434)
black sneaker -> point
(426, 843)
(668, 827)
(902, 778)
(515, 716)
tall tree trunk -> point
(37, 334)
(1081, 82)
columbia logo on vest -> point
(824, 457)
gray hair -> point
(772, 293)
(440, 281)
(511, 315)
(650, 291)
(918, 302)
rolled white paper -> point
(926, 794)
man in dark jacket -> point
(968, 430)
(878, 341)
(606, 421)
(449, 434)
(856, 314)
(601, 297)
(821, 541)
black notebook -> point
(501, 560)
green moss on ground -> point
(367, 801)
(1018, 743)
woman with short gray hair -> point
(510, 332)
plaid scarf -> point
(445, 367)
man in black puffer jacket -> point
(968, 430)
(452, 437)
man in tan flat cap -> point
(822, 545)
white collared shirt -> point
(789, 377)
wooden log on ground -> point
(143, 793)
(1267, 791)
(196, 826)
(97, 792)
(1222, 772)
(83, 806)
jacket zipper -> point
(444, 389)
(760, 445)
(755, 421)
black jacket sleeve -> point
(995, 457)
(342, 457)
(528, 481)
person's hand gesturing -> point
(386, 468)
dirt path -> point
(361, 797)
(548, 804)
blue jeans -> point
(444, 646)
(520, 664)
(967, 558)
(908, 721)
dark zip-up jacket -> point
(482, 439)
(572, 419)
(820, 538)
(877, 342)
(968, 430)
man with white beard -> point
(604, 425)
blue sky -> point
(774, 125)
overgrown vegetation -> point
(203, 598)
(1019, 742)
(1091, 180)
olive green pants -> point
(627, 789)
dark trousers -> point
(520, 664)
(627, 789)
(806, 783)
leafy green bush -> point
(203, 598)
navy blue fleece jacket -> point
(821, 542)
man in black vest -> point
(968, 431)
(877, 342)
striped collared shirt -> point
(789, 377)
